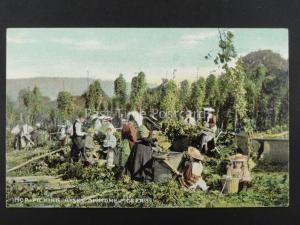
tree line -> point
(254, 92)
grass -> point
(269, 186)
(275, 132)
(14, 158)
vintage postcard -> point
(147, 117)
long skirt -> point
(77, 148)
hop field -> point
(54, 182)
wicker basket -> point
(231, 185)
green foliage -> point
(23, 191)
(9, 140)
(227, 49)
(233, 81)
(184, 94)
(251, 98)
(268, 71)
(27, 98)
(212, 91)
(34, 104)
(283, 115)
(95, 98)
(174, 129)
(169, 194)
(252, 92)
(270, 60)
(198, 94)
(237, 80)
(225, 104)
(83, 173)
(138, 87)
(151, 98)
(269, 186)
(275, 87)
(169, 98)
(10, 109)
(275, 132)
(120, 91)
(65, 105)
(268, 190)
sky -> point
(104, 53)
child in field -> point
(109, 144)
(239, 169)
(192, 171)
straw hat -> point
(238, 158)
(195, 153)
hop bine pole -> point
(34, 159)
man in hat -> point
(239, 169)
(189, 118)
(192, 171)
(78, 139)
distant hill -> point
(51, 86)
(271, 60)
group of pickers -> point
(138, 144)
(131, 154)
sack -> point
(161, 171)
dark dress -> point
(78, 145)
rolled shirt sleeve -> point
(78, 130)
